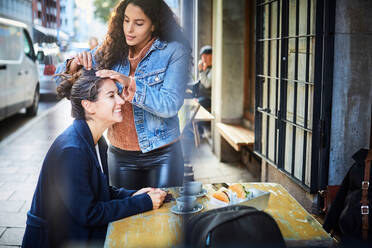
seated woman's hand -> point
(157, 190)
(157, 197)
(143, 190)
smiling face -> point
(137, 27)
(107, 108)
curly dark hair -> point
(83, 85)
(115, 47)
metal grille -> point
(287, 94)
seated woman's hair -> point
(83, 85)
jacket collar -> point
(158, 44)
(85, 134)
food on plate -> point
(240, 190)
(222, 195)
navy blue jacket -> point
(73, 202)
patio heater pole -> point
(196, 39)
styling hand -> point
(82, 59)
(143, 190)
(124, 80)
(157, 197)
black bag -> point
(233, 226)
(350, 221)
(344, 216)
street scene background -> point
(291, 101)
(61, 29)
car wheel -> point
(32, 110)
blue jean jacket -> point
(161, 78)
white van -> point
(19, 75)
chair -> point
(187, 114)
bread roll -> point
(239, 190)
(222, 196)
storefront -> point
(292, 71)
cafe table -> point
(162, 228)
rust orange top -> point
(123, 135)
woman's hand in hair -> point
(81, 59)
(114, 75)
(157, 197)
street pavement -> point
(21, 157)
(22, 154)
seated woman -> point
(73, 202)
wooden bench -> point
(237, 136)
(201, 115)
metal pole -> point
(180, 12)
(196, 39)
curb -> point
(31, 123)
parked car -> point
(19, 87)
(47, 68)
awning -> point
(44, 34)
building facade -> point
(296, 72)
(20, 10)
(42, 17)
(46, 21)
(67, 17)
(46, 13)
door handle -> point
(20, 73)
(26, 72)
(2, 67)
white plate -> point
(200, 194)
(258, 199)
(196, 209)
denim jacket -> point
(161, 78)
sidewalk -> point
(22, 154)
(208, 169)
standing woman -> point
(73, 202)
(146, 52)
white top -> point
(99, 158)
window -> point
(289, 89)
(27, 46)
(10, 40)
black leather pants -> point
(162, 167)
